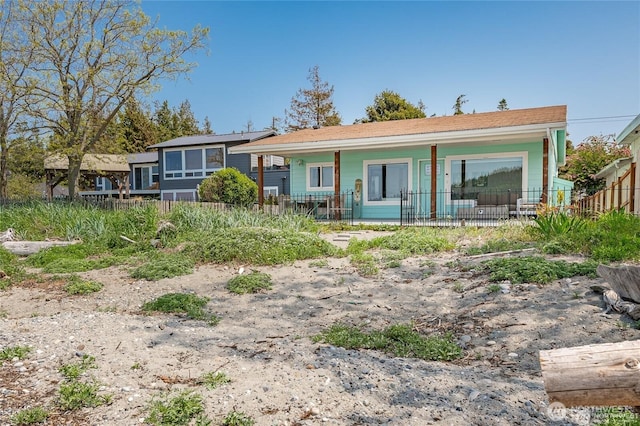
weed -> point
(29, 416)
(214, 379)
(392, 259)
(535, 269)
(73, 371)
(427, 263)
(164, 266)
(458, 287)
(400, 340)
(319, 263)
(365, 263)
(576, 294)
(77, 285)
(136, 366)
(413, 241)
(11, 352)
(558, 223)
(10, 265)
(176, 410)
(74, 395)
(497, 245)
(107, 309)
(190, 304)
(237, 418)
(493, 288)
(3, 313)
(253, 282)
(616, 416)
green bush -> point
(229, 186)
(163, 265)
(536, 269)
(77, 285)
(253, 282)
(29, 416)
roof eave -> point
(463, 136)
(629, 133)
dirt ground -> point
(278, 375)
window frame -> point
(194, 173)
(384, 161)
(151, 175)
(320, 166)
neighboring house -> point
(184, 162)
(460, 166)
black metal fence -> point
(323, 206)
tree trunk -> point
(4, 154)
(75, 163)
(593, 375)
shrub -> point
(77, 285)
(164, 266)
(229, 186)
(253, 282)
(29, 416)
(190, 304)
(175, 411)
(75, 395)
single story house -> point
(184, 162)
(484, 165)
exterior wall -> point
(275, 178)
(352, 168)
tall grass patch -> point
(11, 266)
(535, 269)
(164, 265)
(190, 304)
(253, 282)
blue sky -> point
(582, 54)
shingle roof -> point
(213, 139)
(90, 162)
(143, 157)
(416, 126)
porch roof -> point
(479, 127)
(90, 162)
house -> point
(185, 161)
(484, 165)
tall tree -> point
(206, 127)
(16, 58)
(457, 107)
(312, 107)
(389, 105)
(94, 56)
(136, 129)
(187, 122)
(588, 158)
(502, 105)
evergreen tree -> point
(502, 105)
(313, 107)
(389, 105)
(457, 107)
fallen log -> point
(593, 375)
(625, 280)
(26, 248)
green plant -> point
(74, 395)
(190, 304)
(77, 285)
(535, 269)
(365, 264)
(493, 288)
(11, 352)
(136, 366)
(178, 410)
(214, 379)
(229, 186)
(29, 416)
(253, 282)
(458, 287)
(73, 371)
(13, 270)
(319, 263)
(555, 224)
(237, 418)
(497, 245)
(615, 416)
(400, 340)
(164, 265)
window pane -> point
(314, 177)
(137, 178)
(397, 179)
(215, 158)
(173, 160)
(327, 176)
(374, 182)
(193, 159)
(474, 176)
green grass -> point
(74, 395)
(189, 304)
(535, 269)
(399, 340)
(29, 416)
(11, 352)
(213, 379)
(615, 416)
(238, 418)
(164, 265)
(319, 263)
(73, 371)
(253, 282)
(77, 285)
(176, 410)
(9, 264)
(493, 288)
(497, 245)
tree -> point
(313, 107)
(135, 128)
(229, 186)
(187, 123)
(457, 107)
(16, 58)
(94, 56)
(206, 127)
(502, 105)
(588, 158)
(389, 105)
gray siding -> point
(279, 178)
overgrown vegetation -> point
(230, 186)
(186, 303)
(29, 416)
(535, 269)
(74, 370)
(238, 418)
(213, 379)
(11, 352)
(253, 282)
(76, 285)
(73, 393)
(399, 340)
(176, 410)
(164, 265)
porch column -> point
(336, 183)
(127, 186)
(632, 190)
(434, 179)
(260, 181)
(545, 171)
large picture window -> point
(320, 176)
(193, 162)
(386, 180)
(473, 176)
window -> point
(144, 176)
(270, 190)
(473, 176)
(193, 162)
(320, 176)
(385, 180)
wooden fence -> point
(620, 195)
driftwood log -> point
(26, 248)
(593, 375)
(624, 280)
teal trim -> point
(561, 146)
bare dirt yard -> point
(279, 376)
